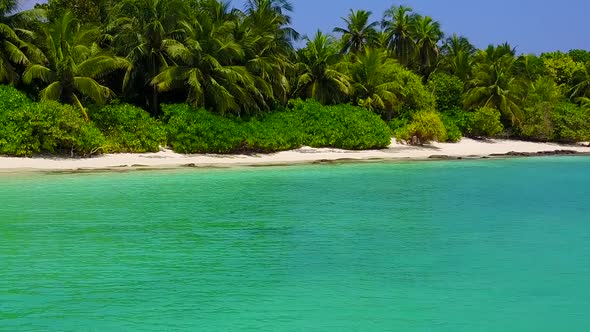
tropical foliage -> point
(71, 63)
(204, 76)
(359, 33)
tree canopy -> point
(249, 61)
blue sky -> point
(533, 26)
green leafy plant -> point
(453, 131)
(276, 131)
(571, 123)
(426, 126)
(195, 130)
(341, 126)
(448, 91)
(11, 98)
(47, 127)
(128, 128)
(484, 122)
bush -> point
(191, 130)
(413, 95)
(47, 127)
(448, 91)
(396, 124)
(561, 67)
(426, 126)
(128, 128)
(276, 131)
(453, 131)
(571, 123)
(538, 122)
(11, 98)
(484, 122)
(341, 126)
(305, 123)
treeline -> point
(213, 78)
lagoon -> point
(488, 245)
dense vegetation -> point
(91, 76)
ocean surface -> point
(489, 245)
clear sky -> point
(533, 26)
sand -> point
(467, 148)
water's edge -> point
(238, 165)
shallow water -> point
(500, 245)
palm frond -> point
(91, 88)
(82, 109)
(15, 54)
(99, 66)
(38, 72)
(52, 92)
(170, 78)
(7, 32)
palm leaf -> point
(38, 72)
(82, 109)
(15, 54)
(52, 92)
(89, 87)
(170, 78)
(99, 66)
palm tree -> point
(7, 7)
(11, 55)
(580, 84)
(15, 51)
(319, 79)
(142, 29)
(216, 10)
(457, 53)
(381, 40)
(72, 64)
(279, 7)
(207, 63)
(494, 85)
(529, 67)
(427, 34)
(371, 88)
(359, 33)
(273, 16)
(542, 97)
(266, 37)
(457, 44)
(544, 90)
(397, 23)
(492, 54)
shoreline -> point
(167, 159)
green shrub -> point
(448, 91)
(305, 123)
(413, 95)
(426, 126)
(581, 56)
(47, 127)
(453, 131)
(341, 126)
(396, 124)
(191, 130)
(484, 122)
(571, 123)
(276, 131)
(459, 117)
(128, 128)
(11, 98)
(538, 122)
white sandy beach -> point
(467, 148)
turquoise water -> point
(499, 245)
